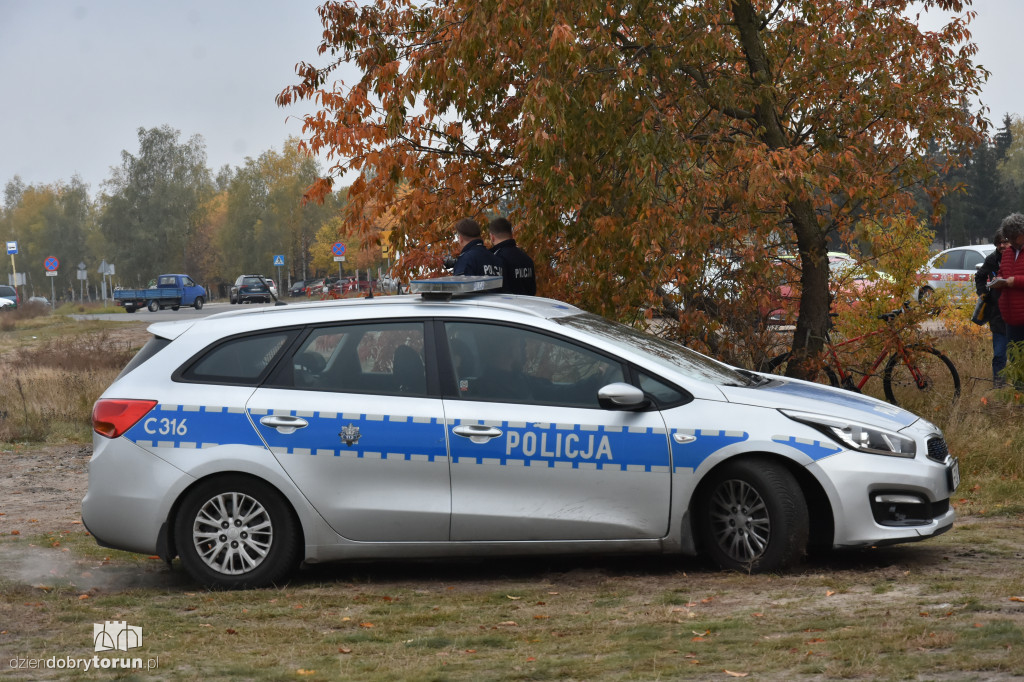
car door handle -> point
(476, 432)
(284, 424)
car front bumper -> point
(878, 499)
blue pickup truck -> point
(171, 291)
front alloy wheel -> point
(752, 516)
(236, 533)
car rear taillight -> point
(111, 418)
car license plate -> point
(953, 475)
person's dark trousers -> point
(999, 344)
(1015, 335)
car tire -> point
(154, 307)
(175, 307)
(751, 516)
(129, 309)
(198, 303)
(260, 543)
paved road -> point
(169, 315)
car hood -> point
(793, 394)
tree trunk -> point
(813, 315)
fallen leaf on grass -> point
(509, 596)
(732, 674)
(366, 625)
(530, 658)
(816, 640)
(509, 623)
(232, 631)
(829, 593)
(539, 616)
(15, 532)
(303, 671)
(83, 596)
(343, 650)
(470, 651)
(1016, 598)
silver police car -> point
(442, 424)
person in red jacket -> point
(1011, 278)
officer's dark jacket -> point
(987, 270)
(519, 277)
(475, 259)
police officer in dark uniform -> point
(474, 259)
(519, 277)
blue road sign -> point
(338, 249)
(51, 264)
(12, 248)
(278, 261)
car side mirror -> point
(622, 396)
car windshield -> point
(665, 353)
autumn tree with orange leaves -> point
(646, 151)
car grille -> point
(937, 450)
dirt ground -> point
(42, 486)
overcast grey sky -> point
(79, 78)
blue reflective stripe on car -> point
(691, 455)
(575, 445)
(405, 438)
(815, 449)
(190, 426)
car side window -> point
(972, 259)
(384, 358)
(663, 394)
(509, 364)
(954, 260)
(241, 360)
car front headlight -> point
(857, 436)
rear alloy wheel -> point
(751, 516)
(236, 533)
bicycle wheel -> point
(939, 381)
(779, 364)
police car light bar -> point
(445, 287)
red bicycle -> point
(915, 374)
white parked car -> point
(954, 269)
(449, 424)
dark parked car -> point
(298, 288)
(249, 288)
(11, 294)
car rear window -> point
(152, 347)
(241, 360)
